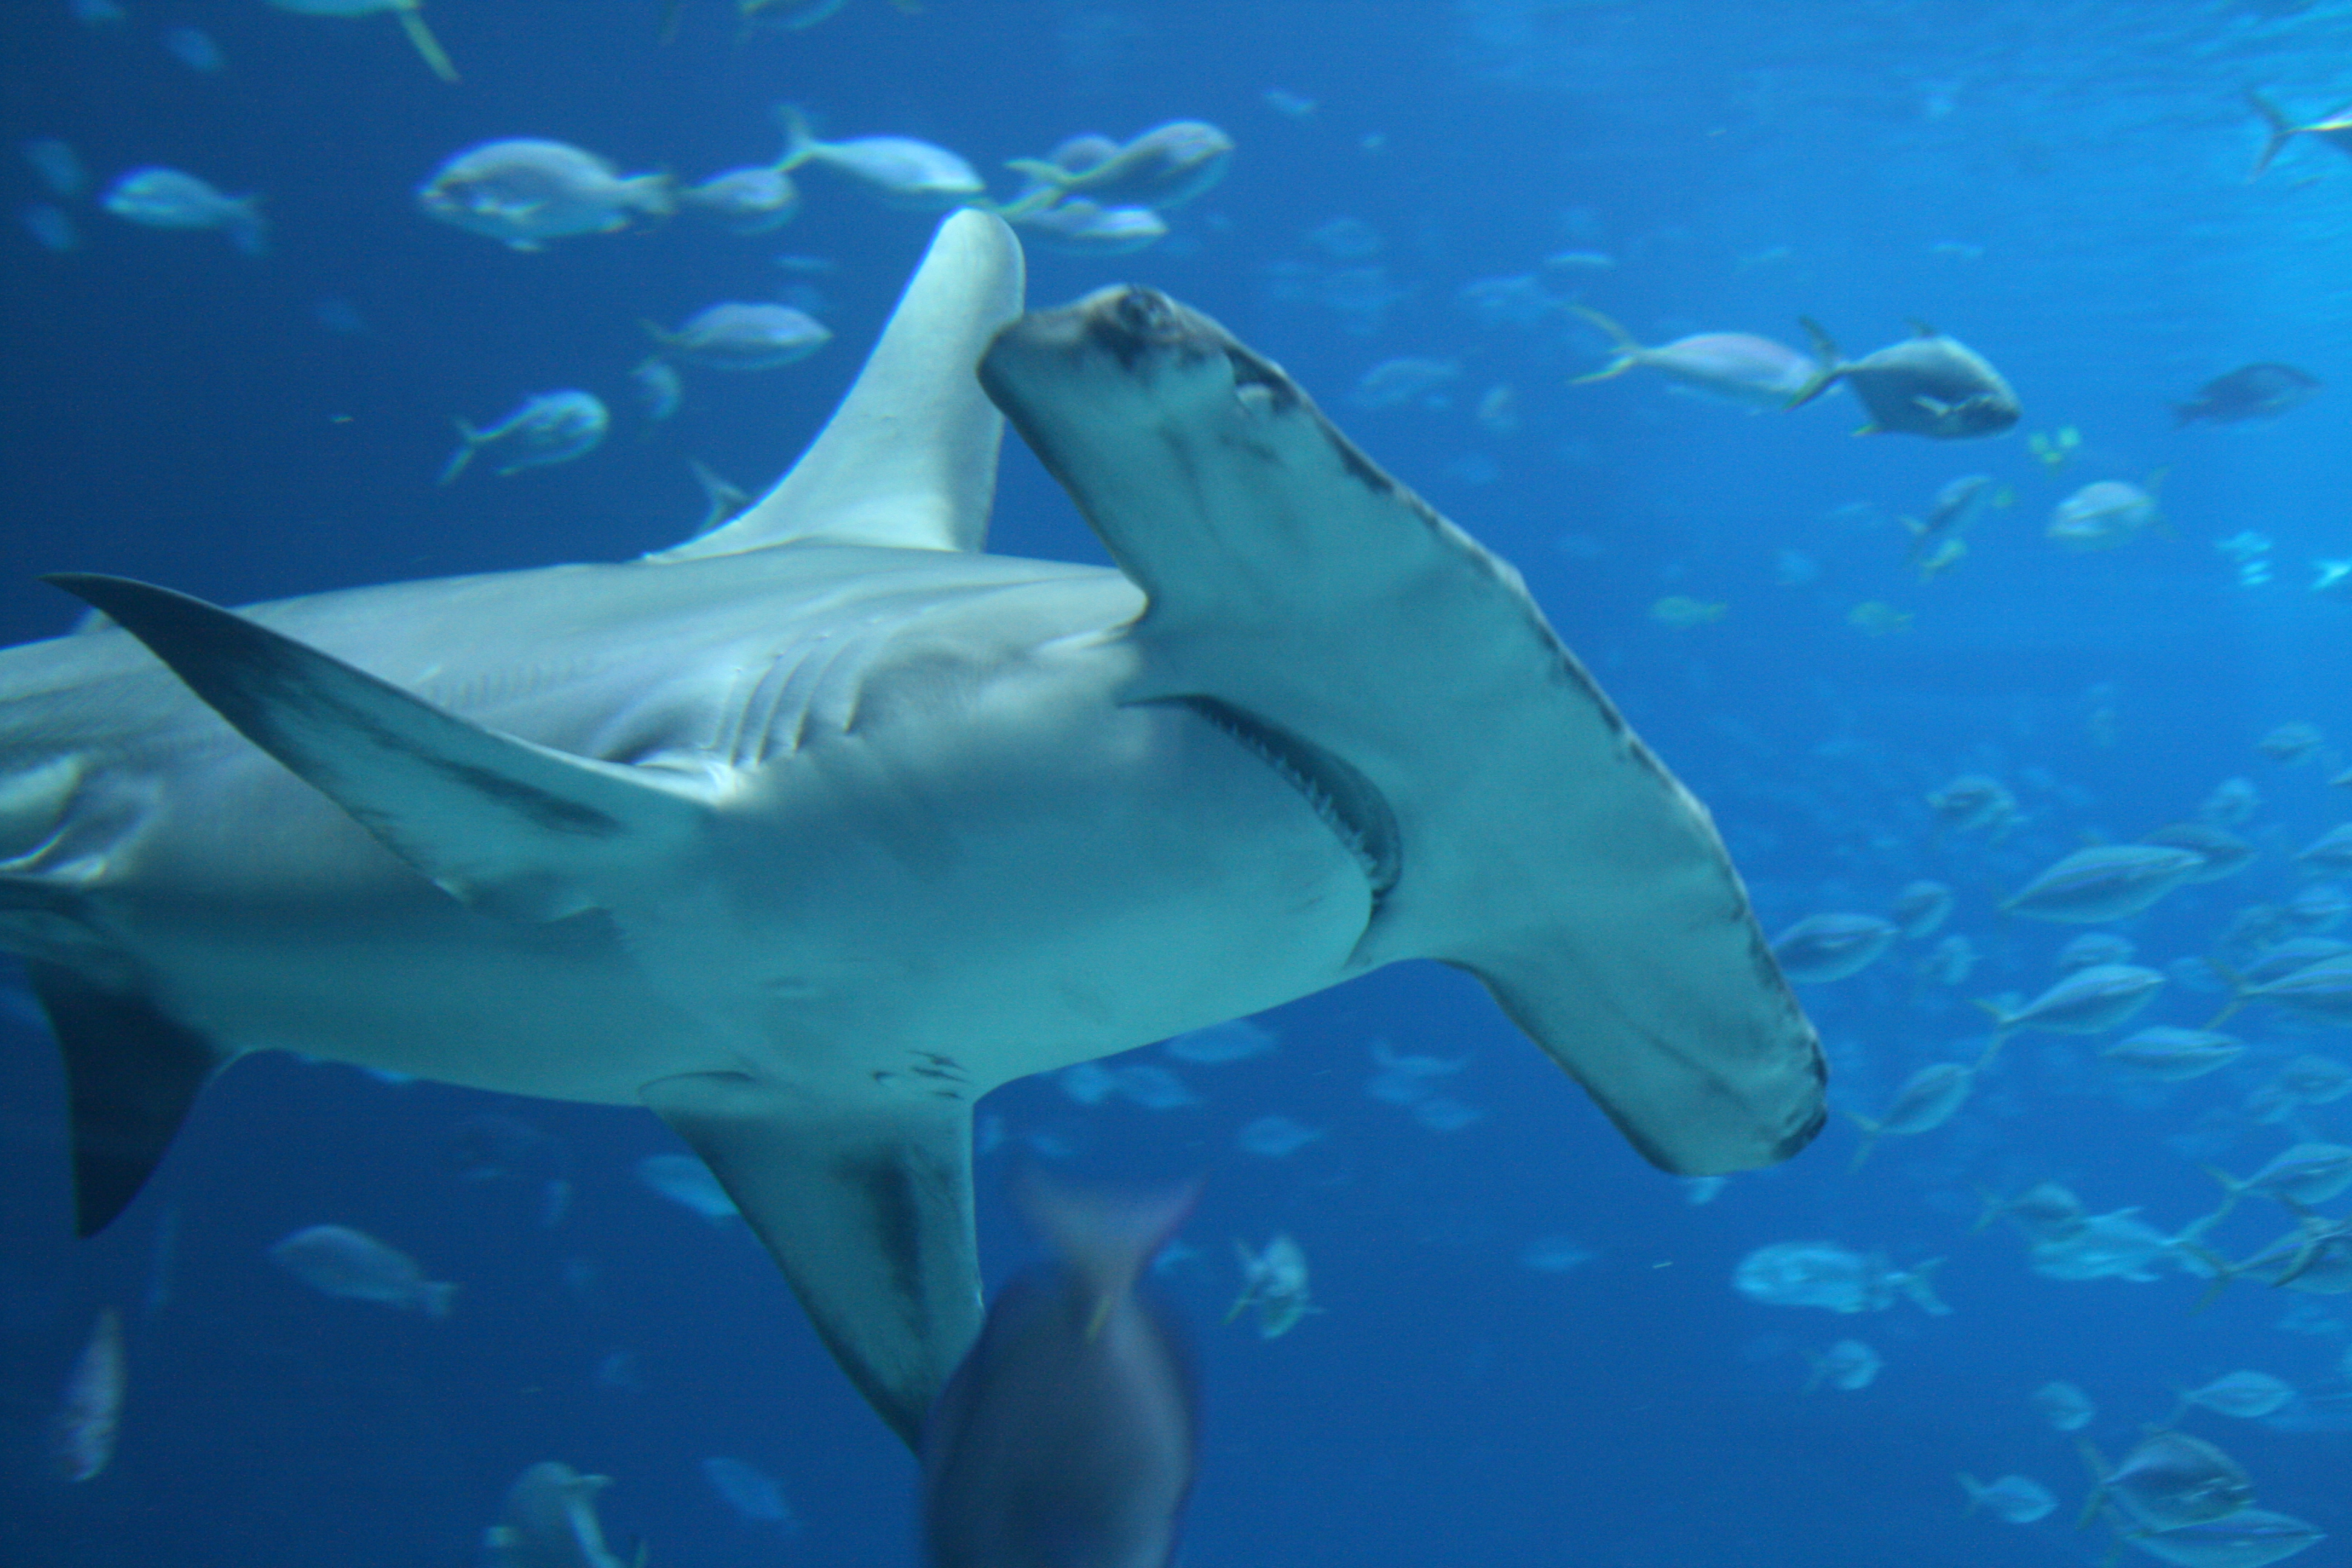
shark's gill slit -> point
(1348, 802)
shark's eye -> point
(1147, 313)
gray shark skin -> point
(811, 831)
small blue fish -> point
(168, 198)
(1066, 1436)
(551, 427)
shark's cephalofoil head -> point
(1124, 345)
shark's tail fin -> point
(1626, 350)
(437, 1297)
(2282, 130)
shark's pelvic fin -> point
(868, 1212)
(910, 458)
(501, 824)
(131, 1076)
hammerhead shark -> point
(809, 832)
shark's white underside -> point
(810, 832)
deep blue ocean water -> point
(2062, 184)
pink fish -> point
(1734, 366)
(81, 1440)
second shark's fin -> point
(131, 1074)
(501, 824)
(866, 1209)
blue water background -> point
(2062, 184)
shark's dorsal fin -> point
(500, 823)
(910, 458)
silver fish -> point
(2171, 1055)
(337, 1260)
(1926, 1101)
(735, 336)
(2306, 1174)
(1735, 367)
(2087, 1002)
(1823, 1274)
(898, 170)
(526, 192)
(1083, 227)
(2105, 883)
(2063, 1406)
(546, 428)
(168, 198)
(1165, 166)
(2249, 1538)
(757, 199)
(1848, 1365)
(2166, 1481)
(1067, 1434)
(1274, 1283)
(1928, 385)
(1921, 908)
(2118, 1246)
(2247, 1395)
(549, 1521)
(2095, 947)
(2224, 853)
(81, 1435)
(2016, 1499)
(1972, 801)
(1830, 947)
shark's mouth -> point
(1350, 805)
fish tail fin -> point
(650, 194)
(1991, 1051)
(248, 229)
(468, 439)
(2282, 130)
(2232, 1190)
(439, 1296)
(1870, 1134)
(1107, 1239)
(800, 142)
(2223, 1272)
(421, 38)
(1975, 1489)
(1825, 349)
(1915, 1284)
(1043, 193)
(2178, 1410)
(1623, 344)
(1995, 1205)
(2098, 1497)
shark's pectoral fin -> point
(131, 1074)
(500, 823)
(866, 1210)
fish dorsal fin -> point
(1920, 328)
(908, 460)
